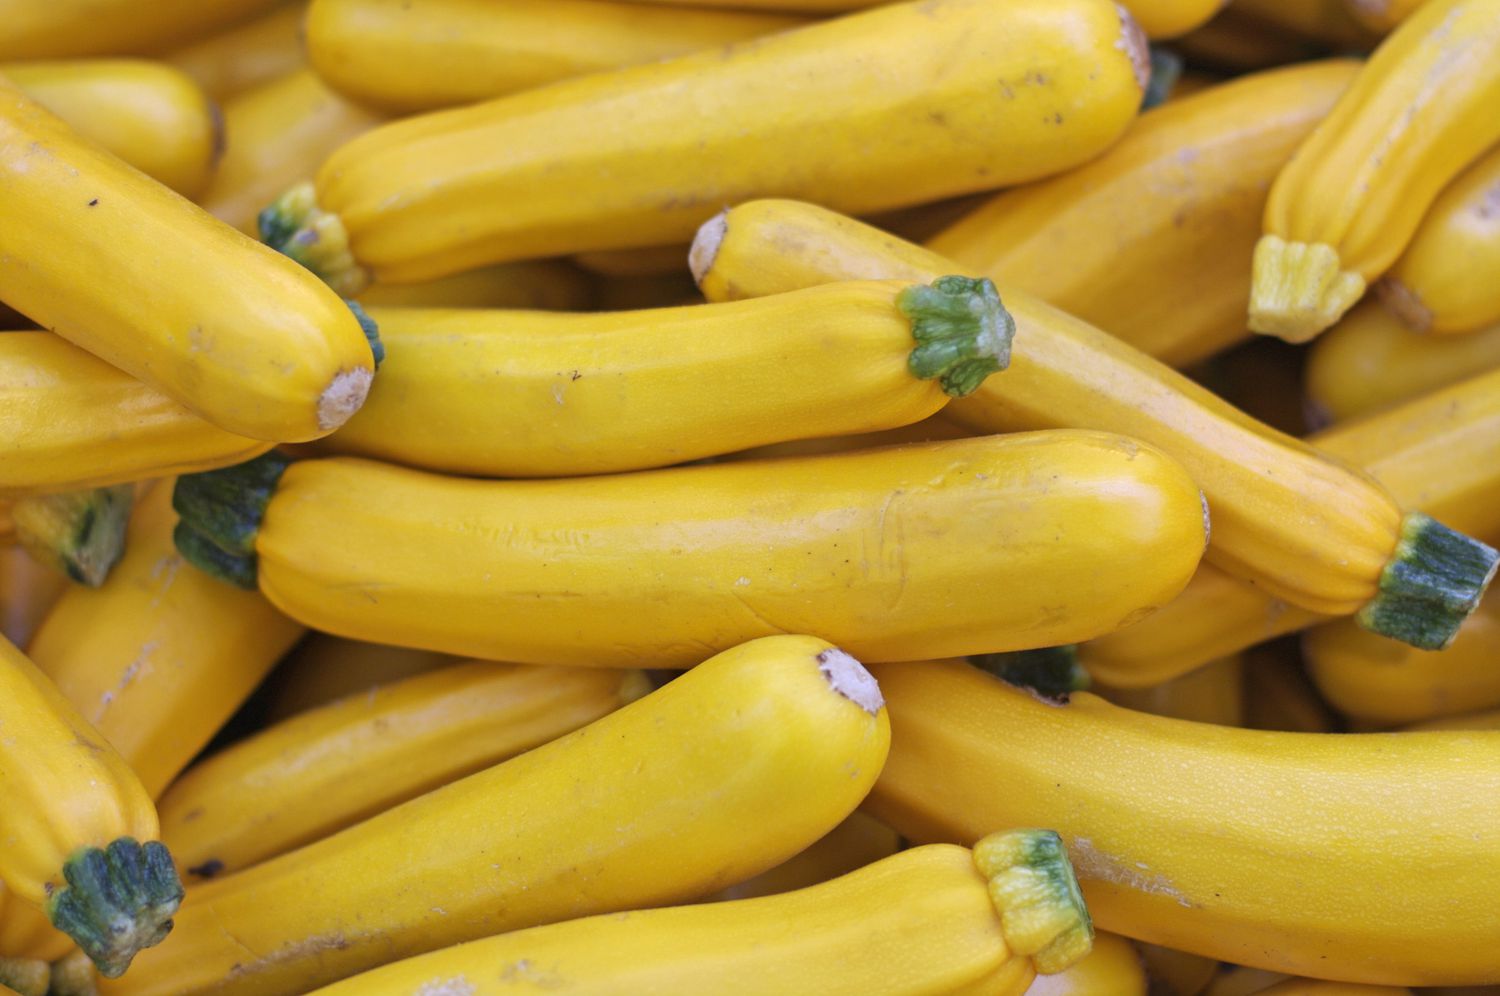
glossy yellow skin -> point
(538, 394)
(537, 284)
(314, 774)
(275, 134)
(920, 922)
(1310, 530)
(1298, 853)
(1370, 360)
(755, 737)
(1383, 15)
(1177, 203)
(1446, 280)
(232, 330)
(25, 931)
(64, 786)
(324, 668)
(61, 28)
(1341, 212)
(891, 552)
(150, 115)
(160, 655)
(625, 158)
(405, 56)
(246, 55)
(1211, 694)
(27, 591)
(930, 429)
(1112, 969)
(1170, 18)
(73, 421)
(858, 841)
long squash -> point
(61, 28)
(227, 328)
(1421, 110)
(72, 824)
(1305, 528)
(303, 779)
(891, 552)
(784, 734)
(898, 105)
(1211, 839)
(535, 394)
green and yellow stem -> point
(1042, 913)
(27, 976)
(117, 901)
(1051, 672)
(1431, 584)
(1298, 289)
(1166, 70)
(74, 975)
(370, 329)
(296, 227)
(220, 514)
(962, 329)
(80, 533)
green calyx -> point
(370, 329)
(81, 533)
(1051, 672)
(221, 511)
(118, 900)
(1431, 584)
(296, 227)
(1166, 70)
(1031, 882)
(962, 329)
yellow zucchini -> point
(1383, 15)
(227, 328)
(1305, 528)
(1211, 839)
(61, 28)
(1448, 279)
(307, 777)
(80, 534)
(404, 56)
(1211, 694)
(539, 394)
(323, 668)
(246, 55)
(27, 592)
(1177, 202)
(1488, 719)
(74, 421)
(892, 552)
(159, 656)
(72, 826)
(26, 933)
(858, 841)
(784, 734)
(1112, 968)
(1370, 360)
(150, 115)
(898, 105)
(1341, 212)
(535, 284)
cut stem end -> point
(849, 678)
(118, 900)
(962, 329)
(1034, 889)
(705, 248)
(1298, 289)
(1431, 584)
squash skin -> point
(243, 57)
(69, 28)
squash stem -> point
(27, 976)
(1431, 584)
(80, 533)
(118, 900)
(221, 512)
(1031, 883)
(1051, 672)
(962, 329)
(296, 227)
(1298, 289)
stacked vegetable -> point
(468, 586)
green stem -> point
(1166, 70)
(1042, 913)
(962, 329)
(81, 533)
(370, 329)
(1051, 672)
(27, 976)
(295, 226)
(118, 900)
(198, 550)
(221, 512)
(1431, 584)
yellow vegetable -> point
(303, 779)
(150, 115)
(782, 735)
(160, 656)
(54, 28)
(1448, 279)
(1177, 202)
(245, 55)
(1211, 694)
(544, 284)
(1370, 360)
(72, 422)
(1112, 968)
(891, 552)
(539, 394)
(1383, 15)
(27, 591)
(898, 105)
(1305, 528)
(417, 55)
(1485, 720)
(1341, 212)
(930, 429)
(1170, 18)
(1214, 840)
(81, 534)
(324, 668)
(26, 933)
(72, 824)
(227, 328)
(858, 841)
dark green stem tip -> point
(1166, 70)
(118, 900)
(370, 329)
(1051, 672)
(1431, 584)
(962, 329)
(198, 550)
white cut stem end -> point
(705, 248)
(343, 397)
(849, 678)
(1134, 44)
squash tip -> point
(343, 397)
(849, 678)
(705, 247)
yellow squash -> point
(73, 823)
(229, 329)
(534, 284)
(246, 55)
(150, 115)
(307, 777)
(72, 421)
(898, 105)
(81, 534)
(930, 429)
(931, 920)
(1420, 111)
(1323, 987)
(1448, 279)
(782, 735)
(1308, 529)
(892, 552)
(405, 56)
(539, 394)
(1215, 840)
(858, 841)
(1176, 204)
(1383, 15)
(1370, 360)
(55, 28)
(1112, 968)
(160, 656)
